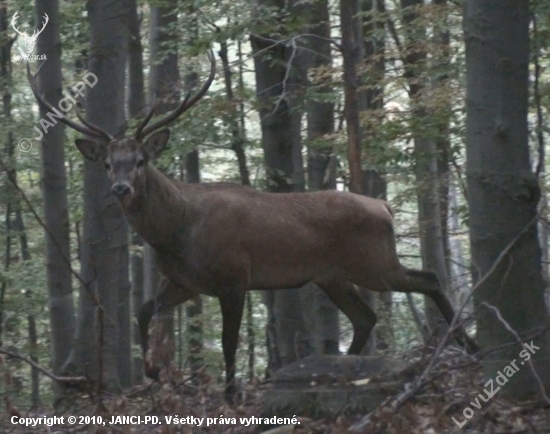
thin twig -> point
(286, 78)
(47, 373)
(518, 339)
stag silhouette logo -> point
(30, 41)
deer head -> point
(30, 41)
(126, 158)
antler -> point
(13, 20)
(185, 105)
(46, 20)
(36, 32)
(87, 129)
(146, 119)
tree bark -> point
(503, 192)
(321, 168)
(429, 210)
(105, 234)
(238, 141)
(164, 89)
(136, 95)
(280, 122)
(441, 68)
(54, 194)
(194, 307)
(136, 104)
(352, 54)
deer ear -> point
(91, 149)
(156, 143)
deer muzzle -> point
(121, 190)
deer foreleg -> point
(232, 304)
(170, 295)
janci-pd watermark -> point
(64, 105)
(501, 379)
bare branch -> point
(44, 371)
(514, 333)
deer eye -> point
(140, 163)
(107, 166)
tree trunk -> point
(105, 233)
(194, 307)
(35, 379)
(353, 51)
(374, 176)
(321, 169)
(503, 192)
(164, 89)
(136, 261)
(541, 165)
(136, 95)
(237, 131)
(238, 134)
(429, 210)
(136, 104)
(54, 194)
(441, 67)
(280, 123)
(458, 268)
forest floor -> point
(450, 387)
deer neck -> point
(157, 211)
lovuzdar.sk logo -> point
(29, 41)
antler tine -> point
(86, 130)
(44, 23)
(187, 103)
(146, 120)
(104, 134)
(13, 21)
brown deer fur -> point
(223, 240)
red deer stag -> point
(224, 241)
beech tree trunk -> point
(194, 307)
(54, 194)
(105, 233)
(441, 67)
(321, 169)
(164, 89)
(237, 123)
(288, 336)
(136, 104)
(503, 191)
(427, 183)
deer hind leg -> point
(232, 305)
(170, 295)
(346, 298)
(426, 282)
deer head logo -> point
(29, 40)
